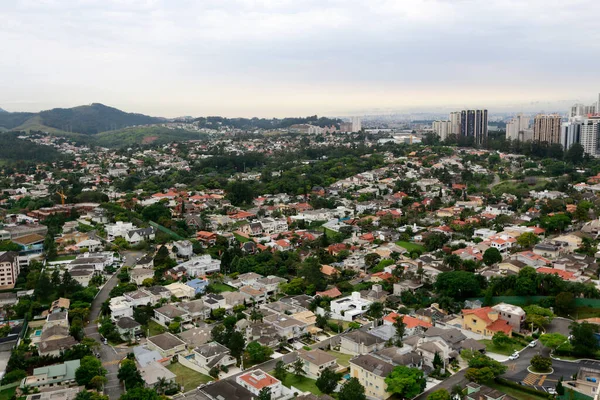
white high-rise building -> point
(516, 127)
(442, 128)
(356, 125)
(455, 123)
(590, 129)
(581, 110)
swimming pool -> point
(347, 377)
(37, 333)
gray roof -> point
(166, 341)
(127, 323)
(362, 337)
(170, 311)
(399, 356)
(452, 336)
(211, 349)
(145, 356)
(227, 390)
(48, 346)
(373, 364)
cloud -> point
(240, 57)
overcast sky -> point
(298, 57)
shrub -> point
(541, 364)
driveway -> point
(559, 325)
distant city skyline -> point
(281, 58)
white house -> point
(139, 235)
(118, 229)
(119, 308)
(256, 380)
(184, 248)
(201, 266)
(350, 307)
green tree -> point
(264, 394)
(540, 363)
(50, 247)
(44, 287)
(400, 329)
(280, 372)
(405, 382)
(435, 241)
(538, 316)
(492, 256)
(527, 240)
(479, 375)
(240, 193)
(575, 154)
(560, 389)
(328, 381)
(376, 311)
(565, 303)
(584, 339)
(129, 375)
(86, 395)
(552, 340)
(258, 353)
(440, 394)
(501, 339)
(311, 271)
(140, 393)
(481, 361)
(352, 390)
(298, 367)
(236, 344)
(89, 368)
(457, 284)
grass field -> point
(342, 359)
(6, 394)
(221, 287)
(187, 377)
(411, 246)
(64, 258)
(505, 350)
(514, 392)
(587, 312)
(240, 238)
(301, 382)
(155, 328)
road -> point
(559, 325)
(109, 355)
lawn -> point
(187, 377)
(221, 287)
(410, 247)
(240, 238)
(342, 359)
(516, 393)
(506, 350)
(587, 312)
(301, 383)
(571, 394)
(64, 258)
(6, 394)
(155, 328)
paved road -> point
(110, 356)
(448, 384)
(559, 325)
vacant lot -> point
(187, 377)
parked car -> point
(514, 356)
(533, 343)
(551, 390)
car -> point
(550, 390)
(105, 341)
(533, 343)
(514, 356)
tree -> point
(376, 311)
(435, 241)
(140, 393)
(584, 339)
(50, 247)
(540, 363)
(129, 375)
(328, 381)
(298, 367)
(453, 261)
(440, 394)
(565, 303)
(98, 382)
(311, 271)
(280, 372)
(457, 284)
(258, 353)
(538, 316)
(400, 329)
(372, 259)
(492, 256)
(85, 395)
(236, 344)
(264, 394)
(89, 368)
(406, 382)
(481, 361)
(479, 375)
(438, 363)
(575, 153)
(526, 284)
(560, 389)
(527, 240)
(44, 287)
(552, 340)
(501, 339)
(240, 193)
(352, 390)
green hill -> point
(143, 135)
(15, 150)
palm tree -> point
(162, 385)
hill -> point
(93, 119)
(15, 150)
(2, 110)
(265, 123)
(143, 135)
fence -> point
(10, 385)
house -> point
(56, 347)
(255, 381)
(586, 381)
(286, 326)
(213, 355)
(119, 308)
(136, 236)
(214, 301)
(118, 229)
(201, 265)
(270, 284)
(166, 344)
(400, 356)
(485, 321)
(155, 372)
(83, 274)
(9, 268)
(57, 318)
(233, 299)
(350, 307)
(371, 373)
(316, 361)
(199, 285)
(66, 393)
(206, 238)
(52, 375)
(128, 328)
(196, 309)
(176, 273)
(146, 262)
(60, 304)
(412, 324)
(254, 295)
(548, 250)
(196, 336)
(184, 248)
(332, 293)
(227, 389)
(515, 315)
(139, 275)
(246, 279)
(360, 342)
(139, 298)
(181, 291)
(167, 314)
(513, 266)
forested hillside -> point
(13, 149)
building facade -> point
(547, 128)
(473, 123)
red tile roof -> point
(410, 322)
(333, 293)
(566, 275)
(264, 380)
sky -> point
(275, 58)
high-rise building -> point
(581, 110)
(455, 122)
(356, 125)
(442, 128)
(547, 128)
(516, 127)
(473, 123)
(590, 129)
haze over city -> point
(280, 58)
